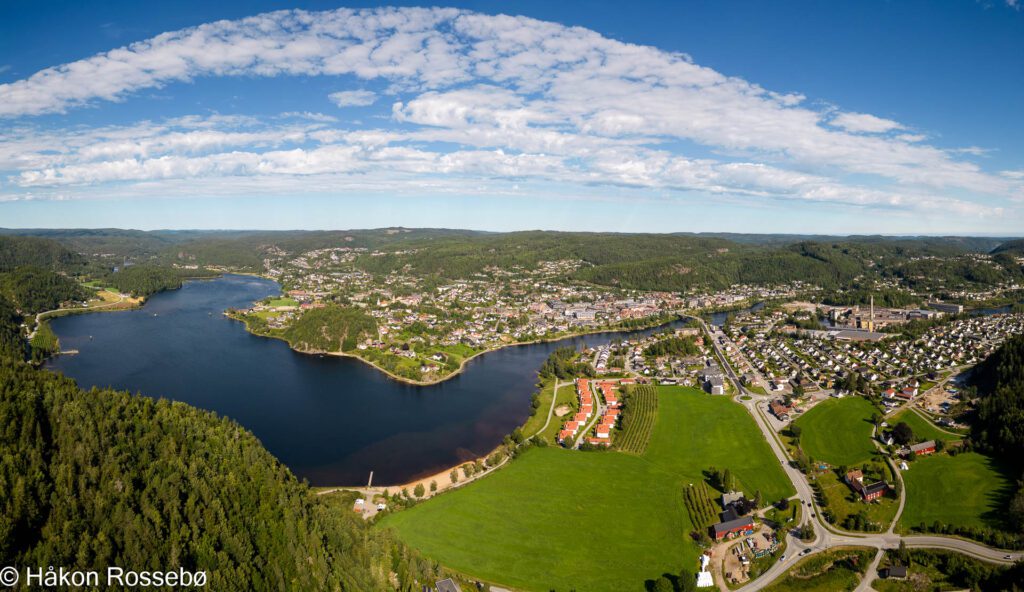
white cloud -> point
(353, 98)
(506, 96)
(864, 123)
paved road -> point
(825, 536)
(39, 316)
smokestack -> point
(872, 327)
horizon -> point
(662, 119)
(29, 229)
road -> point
(826, 536)
(40, 316)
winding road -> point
(827, 536)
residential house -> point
(868, 492)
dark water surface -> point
(331, 420)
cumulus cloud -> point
(476, 96)
(353, 98)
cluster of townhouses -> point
(587, 407)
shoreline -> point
(465, 361)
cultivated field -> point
(596, 521)
(838, 431)
(968, 489)
(638, 419)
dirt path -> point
(551, 411)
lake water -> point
(331, 420)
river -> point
(331, 420)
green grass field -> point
(566, 396)
(923, 429)
(843, 502)
(831, 571)
(968, 489)
(560, 519)
(282, 302)
(838, 431)
(536, 421)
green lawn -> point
(540, 414)
(838, 431)
(566, 396)
(843, 502)
(831, 571)
(923, 429)
(560, 519)
(283, 302)
(968, 489)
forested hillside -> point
(330, 329)
(98, 478)
(37, 252)
(12, 344)
(641, 261)
(34, 289)
(1000, 382)
(1014, 247)
(998, 426)
(145, 280)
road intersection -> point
(827, 536)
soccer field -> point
(560, 519)
(838, 431)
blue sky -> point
(867, 117)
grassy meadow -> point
(968, 489)
(556, 519)
(838, 431)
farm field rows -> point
(596, 521)
(638, 419)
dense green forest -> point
(562, 364)
(330, 329)
(146, 280)
(675, 346)
(33, 289)
(97, 478)
(36, 252)
(998, 426)
(12, 344)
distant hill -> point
(677, 261)
(18, 251)
(1013, 247)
